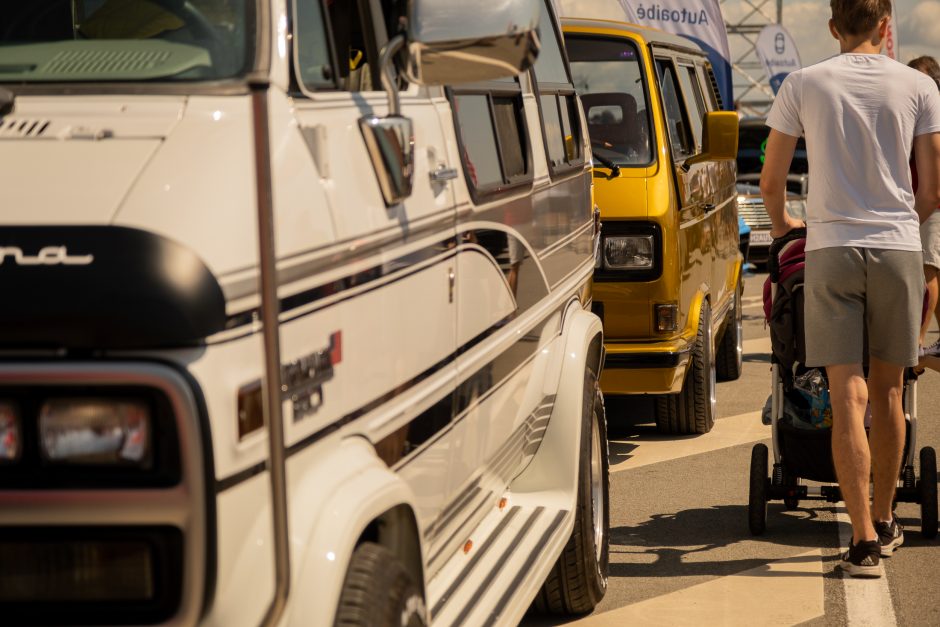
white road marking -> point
(783, 592)
(756, 346)
(652, 449)
(867, 601)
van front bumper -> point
(645, 368)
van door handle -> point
(443, 174)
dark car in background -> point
(752, 144)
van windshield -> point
(45, 41)
(610, 81)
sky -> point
(807, 21)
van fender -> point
(340, 496)
(555, 465)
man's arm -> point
(927, 158)
(773, 182)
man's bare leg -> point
(886, 393)
(850, 451)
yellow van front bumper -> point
(645, 367)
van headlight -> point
(96, 431)
(628, 252)
(10, 433)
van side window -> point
(356, 31)
(561, 123)
(490, 128)
(694, 101)
(675, 113)
(313, 56)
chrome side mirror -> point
(452, 42)
(391, 146)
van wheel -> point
(578, 580)
(693, 409)
(379, 591)
(729, 359)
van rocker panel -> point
(103, 287)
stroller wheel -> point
(757, 499)
(791, 502)
(927, 487)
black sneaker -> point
(890, 535)
(862, 560)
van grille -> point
(754, 214)
(105, 61)
(19, 127)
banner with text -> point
(778, 54)
(699, 20)
(892, 49)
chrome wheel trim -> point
(597, 486)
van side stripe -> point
(432, 422)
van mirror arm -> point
(390, 140)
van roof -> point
(645, 33)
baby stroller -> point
(802, 449)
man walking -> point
(861, 112)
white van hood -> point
(74, 162)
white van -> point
(290, 333)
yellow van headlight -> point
(628, 252)
(96, 431)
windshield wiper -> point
(7, 100)
(604, 161)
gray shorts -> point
(851, 290)
(930, 240)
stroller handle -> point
(773, 261)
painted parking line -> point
(759, 345)
(867, 601)
(783, 592)
(642, 450)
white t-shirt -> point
(860, 114)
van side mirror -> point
(448, 42)
(719, 138)
(452, 41)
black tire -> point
(578, 580)
(928, 492)
(379, 592)
(757, 497)
(729, 358)
(693, 409)
(791, 502)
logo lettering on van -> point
(47, 256)
(302, 380)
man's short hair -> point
(858, 17)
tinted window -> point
(506, 117)
(694, 101)
(492, 133)
(608, 77)
(476, 130)
(561, 121)
(550, 64)
(675, 113)
(314, 65)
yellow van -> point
(667, 283)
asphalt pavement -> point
(681, 552)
